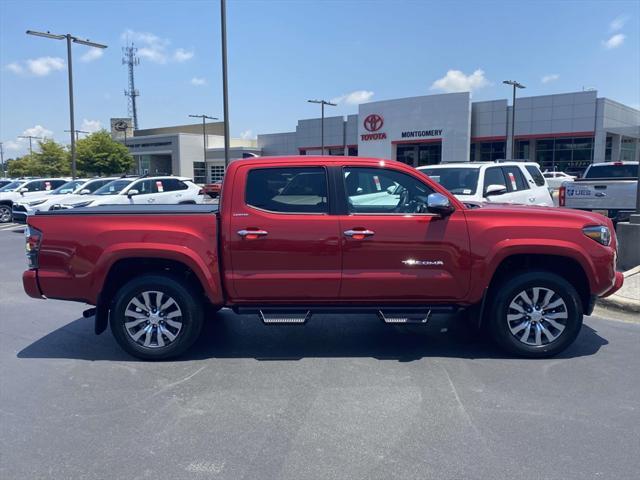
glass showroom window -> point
(216, 173)
(570, 155)
(607, 149)
(199, 173)
(492, 151)
(628, 150)
(523, 149)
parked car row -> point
(24, 197)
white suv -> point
(503, 182)
(75, 190)
(165, 190)
(23, 189)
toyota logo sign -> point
(373, 122)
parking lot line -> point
(10, 226)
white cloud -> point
(92, 54)
(354, 98)
(44, 65)
(182, 55)
(615, 41)
(91, 125)
(11, 145)
(552, 77)
(38, 131)
(155, 48)
(198, 81)
(618, 22)
(15, 67)
(39, 67)
(247, 134)
(457, 81)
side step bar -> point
(402, 318)
(284, 318)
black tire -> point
(5, 213)
(189, 307)
(500, 309)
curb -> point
(622, 303)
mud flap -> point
(102, 317)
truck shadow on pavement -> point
(227, 335)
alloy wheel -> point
(537, 316)
(5, 214)
(153, 319)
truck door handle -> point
(252, 234)
(532, 199)
(359, 234)
(601, 194)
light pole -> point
(204, 135)
(2, 159)
(30, 137)
(77, 132)
(69, 38)
(225, 87)
(322, 104)
(513, 114)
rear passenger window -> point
(515, 179)
(173, 184)
(288, 190)
(536, 175)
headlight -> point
(600, 234)
(36, 202)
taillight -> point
(33, 239)
(561, 196)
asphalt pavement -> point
(340, 398)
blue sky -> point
(284, 52)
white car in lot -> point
(556, 179)
(161, 190)
(498, 182)
(72, 190)
(23, 189)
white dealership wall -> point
(450, 113)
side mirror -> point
(495, 190)
(23, 190)
(85, 191)
(439, 204)
(132, 192)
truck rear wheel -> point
(535, 314)
(154, 317)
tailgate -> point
(602, 195)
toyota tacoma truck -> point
(297, 236)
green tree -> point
(99, 154)
(53, 159)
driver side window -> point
(384, 191)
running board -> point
(403, 318)
(284, 318)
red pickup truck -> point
(295, 236)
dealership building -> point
(564, 131)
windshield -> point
(612, 171)
(459, 181)
(11, 187)
(112, 188)
(67, 187)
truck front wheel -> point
(154, 317)
(535, 314)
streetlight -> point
(204, 134)
(70, 38)
(513, 113)
(30, 137)
(225, 87)
(2, 159)
(322, 104)
(77, 132)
